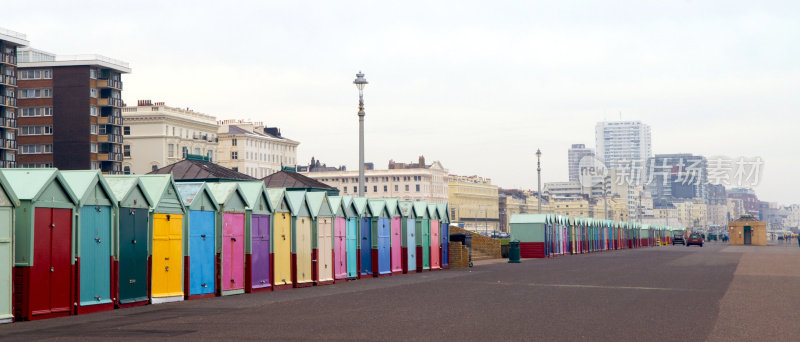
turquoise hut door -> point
(95, 261)
(352, 255)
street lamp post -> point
(360, 82)
(539, 172)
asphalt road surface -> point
(714, 293)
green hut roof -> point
(391, 207)
(80, 182)
(252, 190)
(28, 184)
(122, 186)
(190, 191)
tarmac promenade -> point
(714, 293)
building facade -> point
(415, 182)
(9, 42)
(70, 111)
(254, 149)
(621, 143)
(473, 202)
(677, 177)
(575, 154)
(750, 202)
(157, 135)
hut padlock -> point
(133, 241)
(233, 280)
(98, 210)
(262, 282)
(233, 239)
(97, 298)
(166, 268)
(53, 225)
(132, 281)
(203, 236)
(97, 239)
(52, 269)
(203, 285)
(283, 236)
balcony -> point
(102, 138)
(8, 101)
(109, 138)
(8, 144)
(114, 84)
(8, 164)
(109, 101)
(109, 156)
(8, 80)
(8, 59)
(8, 123)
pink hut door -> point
(435, 242)
(397, 265)
(339, 249)
(232, 251)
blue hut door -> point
(95, 249)
(201, 252)
(352, 257)
(445, 236)
(384, 245)
(411, 244)
(366, 246)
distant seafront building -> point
(9, 42)
(254, 149)
(69, 113)
(412, 181)
(575, 154)
(620, 143)
(474, 202)
(677, 177)
(157, 135)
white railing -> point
(15, 34)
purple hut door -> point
(397, 265)
(261, 234)
(339, 249)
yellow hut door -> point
(282, 242)
(167, 263)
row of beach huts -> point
(75, 242)
(549, 235)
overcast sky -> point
(477, 85)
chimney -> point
(422, 161)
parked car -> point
(677, 238)
(499, 235)
(694, 239)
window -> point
(36, 148)
(406, 187)
(385, 188)
(36, 74)
(126, 150)
(154, 168)
(375, 188)
(34, 93)
(171, 150)
(235, 169)
(355, 189)
(93, 92)
(197, 151)
(344, 188)
(93, 110)
(210, 155)
(93, 73)
(395, 187)
(92, 129)
(126, 170)
(126, 130)
(184, 152)
(233, 142)
(234, 155)
(417, 187)
(93, 148)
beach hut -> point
(231, 236)
(351, 236)
(423, 226)
(43, 250)
(282, 265)
(301, 233)
(258, 224)
(433, 214)
(444, 234)
(93, 261)
(529, 230)
(8, 201)
(396, 238)
(199, 278)
(321, 237)
(132, 258)
(381, 238)
(339, 239)
(166, 228)
(408, 233)
(365, 236)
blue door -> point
(95, 274)
(445, 235)
(366, 246)
(352, 239)
(201, 252)
(411, 244)
(384, 246)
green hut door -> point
(132, 255)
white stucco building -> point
(156, 135)
(621, 142)
(254, 149)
